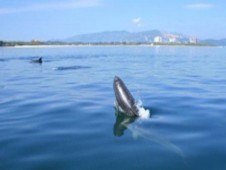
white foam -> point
(143, 113)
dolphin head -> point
(124, 100)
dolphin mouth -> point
(116, 79)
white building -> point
(158, 39)
(172, 40)
(193, 40)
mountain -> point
(221, 42)
(116, 36)
(140, 37)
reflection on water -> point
(121, 123)
(124, 122)
(153, 137)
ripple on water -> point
(65, 68)
(55, 119)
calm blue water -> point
(60, 114)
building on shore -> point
(193, 40)
(157, 39)
(172, 39)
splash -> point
(143, 113)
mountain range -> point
(115, 36)
(143, 37)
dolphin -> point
(37, 61)
(124, 101)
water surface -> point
(60, 114)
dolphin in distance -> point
(37, 60)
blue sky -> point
(55, 19)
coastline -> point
(112, 45)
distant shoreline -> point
(109, 45)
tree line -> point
(35, 42)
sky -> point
(26, 20)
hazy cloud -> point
(199, 6)
(137, 21)
(72, 4)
